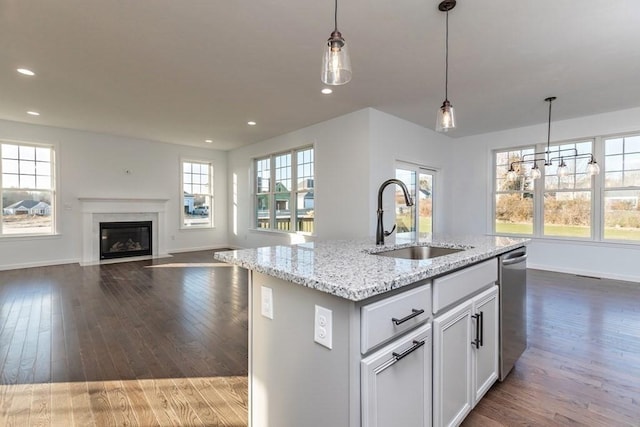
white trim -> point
(579, 272)
(201, 248)
(95, 209)
(38, 264)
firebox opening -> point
(125, 239)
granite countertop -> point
(350, 270)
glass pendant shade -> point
(446, 117)
(593, 168)
(535, 171)
(511, 174)
(563, 169)
(336, 65)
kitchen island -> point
(341, 336)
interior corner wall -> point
(394, 139)
(93, 165)
(341, 150)
(471, 186)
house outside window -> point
(576, 205)
(283, 185)
(197, 194)
(27, 184)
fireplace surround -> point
(96, 210)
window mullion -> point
(293, 194)
(272, 192)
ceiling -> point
(186, 71)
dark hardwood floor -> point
(582, 364)
(164, 342)
(159, 342)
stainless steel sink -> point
(419, 252)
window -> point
(513, 198)
(576, 205)
(622, 188)
(197, 194)
(567, 199)
(420, 182)
(284, 185)
(28, 189)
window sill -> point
(571, 241)
(281, 232)
(198, 227)
(23, 237)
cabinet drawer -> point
(389, 317)
(456, 286)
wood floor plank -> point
(40, 412)
(82, 413)
(61, 404)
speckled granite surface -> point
(350, 270)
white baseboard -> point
(202, 248)
(124, 259)
(39, 264)
(589, 273)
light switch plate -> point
(323, 327)
(267, 302)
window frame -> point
(52, 190)
(597, 192)
(270, 194)
(418, 170)
(211, 218)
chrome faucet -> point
(380, 233)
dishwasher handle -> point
(510, 261)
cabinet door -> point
(486, 356)
(396, 383)
(452, 376)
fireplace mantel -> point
(102, 209)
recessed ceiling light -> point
(326, 91)
(251, 123)
(26, 71)
(33, 113)
(209, 141)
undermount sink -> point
(419, 252)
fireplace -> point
(125, 239)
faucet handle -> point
(388, 233)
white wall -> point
(471, 188)
(92, 165)
(395, 139)
(341, 170)
(354, 154)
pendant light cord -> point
(446, 59)
(549, 133)
(335, 17)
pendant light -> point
(336, 65)
(446, 118)
(561, 154)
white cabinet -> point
(396, 383)
(452, 336)
(486, 351)
(465, 360)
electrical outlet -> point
(323, 327)
(267, 302)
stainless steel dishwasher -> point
(512, 280)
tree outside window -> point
(513, 198)
(622, 188)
